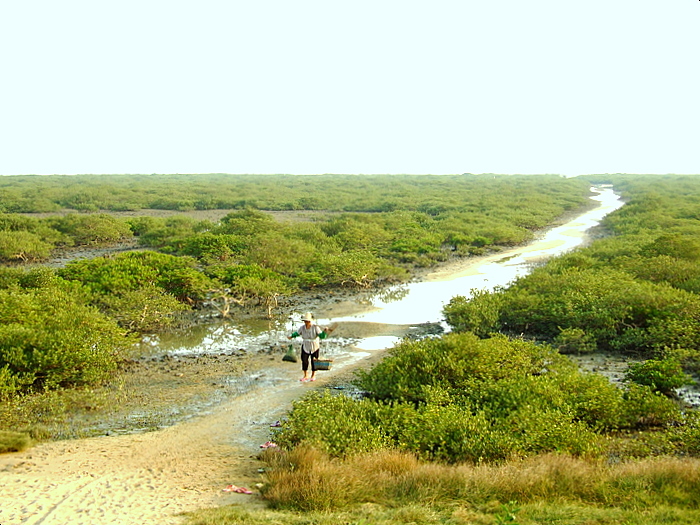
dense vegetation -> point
(483, 194)
(484, 400)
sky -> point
(327, 86)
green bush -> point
(661, 375)
(455, 362)
(208, 246)
(446, 433)
(645, 408)
(14, 441)
(471, 400)
(145, 310)
(540, 430)
(91, 229)
(337, 425)
(23, 246)
(480, 314)
(49, 338)
(131, 271)
(574, 341)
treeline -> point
(431, 194)
(247, 256)
(409, 215)
(500, 387)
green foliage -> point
(130, 271)
(251, 281)
(13, 441)
(608, 309)
(91, 229)
(336, 424)
(646, 408)
(169, 234)
(398, 224)
(479, 315)
(142, 290)
(524, 199)
(476, 400)
(661, 375)
(22, 246)
(574, 341)
(147, 309)
(26, 239)
(455, 363)
(49, 338)
(247, 223)
(211, 248)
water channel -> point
(408, 304)
(416, 303)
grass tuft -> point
(14, 441)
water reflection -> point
(223, 337)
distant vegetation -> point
(430, 194)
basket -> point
(323, 364)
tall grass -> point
(304, 479)
(306, 487)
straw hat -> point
(307, 317)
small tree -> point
(22, 246)
(661, 375)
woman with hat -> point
(311, 334)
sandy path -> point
(149, 478)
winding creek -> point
(370, 324)
(415, 303)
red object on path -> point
(240, 490)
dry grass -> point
(391, 488)
(305, 479)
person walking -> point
(311, 334)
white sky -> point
(361, 86)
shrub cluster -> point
(468, 399)
(50, 336)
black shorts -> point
(305, 360)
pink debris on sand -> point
(239, 490)
(268, 444)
